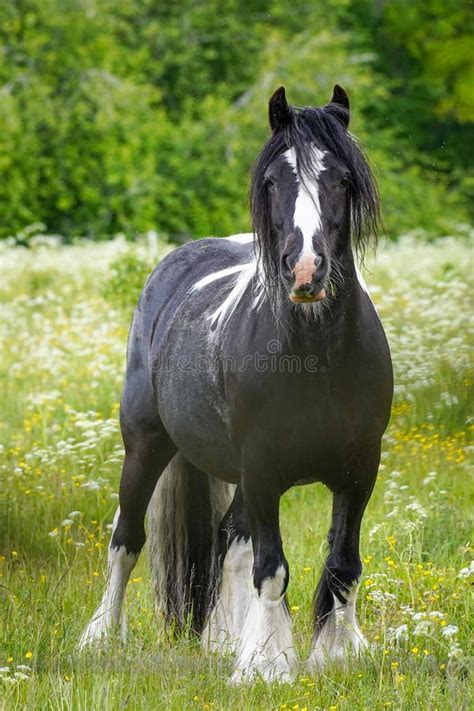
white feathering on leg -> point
(340, 636)
(227, 618)
(108, 614)
(265, 646)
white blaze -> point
(307, 216)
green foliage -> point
(138, 115)
(128, 273)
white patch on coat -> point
(245, 274)
(109, 613)
(244, 238)
(227, 618)
(307, 215)
(340, 636)
(265, 646)
(215, 276)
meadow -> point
(64, 322)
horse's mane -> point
(314, 126)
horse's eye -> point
(271, 183)
(344, 182)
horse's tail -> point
(184, 516)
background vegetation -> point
(122, 117)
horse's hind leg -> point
(227, 617)
(337, 633)
(147, 452)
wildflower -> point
(429, 478)
(29, 655)
(455, 651)
(450, 631)
(422, 628)
(468, 571)
(415, 650)
(418, 509)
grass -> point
(64, 327)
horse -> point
(257, 363)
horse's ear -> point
(339, 105)
(279, 112)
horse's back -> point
(169, 289)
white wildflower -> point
(399, 634)
(21, 676)
(429, 478)
(417, 508)
(450, 631)
(436, 615)
(423, 628)
(374, 530)
(9, 680)
(455, 651)
(467, 571)
(382, 597)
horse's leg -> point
(147, 452)
(337, 633)
(265, 644)
(228, 615)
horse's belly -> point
(195, 419)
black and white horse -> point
(257, 361)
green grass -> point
(64, 327)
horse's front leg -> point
(265, 646)
(337, 633)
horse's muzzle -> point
(302, 296)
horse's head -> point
(311, 185)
